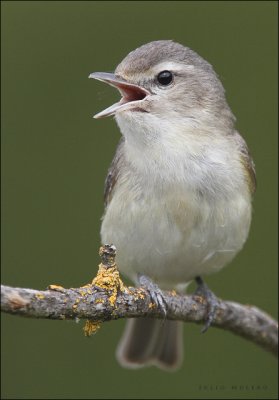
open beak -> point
(132, 95)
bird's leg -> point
(211, 300)
(155, 293)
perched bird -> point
(179, 189)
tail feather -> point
(151, 342)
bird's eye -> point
(165, 78)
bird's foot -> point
(156, 294)
(211, 300)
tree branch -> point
(106, 298)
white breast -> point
(173, 241)
(178, 214)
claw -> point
(155, 293)
(211, 300)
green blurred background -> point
(54, 162)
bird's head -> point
(165, 85)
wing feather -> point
(248, 162)
(113, 172)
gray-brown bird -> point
(179, 189)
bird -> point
(178, 194)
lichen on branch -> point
(106, 298)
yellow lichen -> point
(112, 299)
(57, 288)
(97, 301)
(109, 279)
(138, 294)
(86, 286)
(91, 327)
(40, 296)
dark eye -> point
(165, 78)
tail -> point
(147, 342)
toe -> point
(155, 293)
(211, 300)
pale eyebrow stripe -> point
(173, 66)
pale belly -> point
(171, 240)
